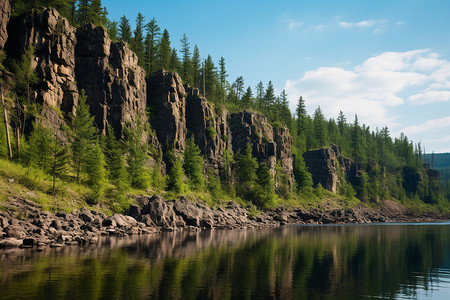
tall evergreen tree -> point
(175, 63)
(175, 181)
(115, 163)
(356, 141)
(124, 29)
(285, 113)
(260, 96)
(82, 134)
(83, 11)
(151, 45)
(60, 161)
(137, 44)
(246, 166)
(301, 115)
(96, 14)
(193, 165)
(186, 60)
(196, 67)
(137, 154)
(320, 128)
(40, 148)
(165, 51)
(210, 78)
(247, 99)
(269, 100)
(112, 29)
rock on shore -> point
(24, 225)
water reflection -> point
(304, 262)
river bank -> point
(24, 225)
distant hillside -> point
(438, 160)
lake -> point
(389, 261)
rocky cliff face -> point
(210, 129)
(54, 43)
(110, 75)
(166, 99)
(69, 60)
(322, 166)
(5, 14)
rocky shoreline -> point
(25, 225)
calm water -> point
(296, 262)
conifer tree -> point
(356, 141)
(96, 14)
(196, 67)
(186, 60)
(285, 113)
(124, 29)
(151, 45)
(83, 11)
(301, 175)
(175, 63)
(210, 78)
(193, 165)
(137, 44)
(260, 95)
(165, 51)
(137, 154)
(246, 166)
(82, 134)
(269, 100)
(40, 148)
(60, 161)
(301, 115)
(175, 181)
(95, 168)
(112, 29)
(320, 128)
(114, 158)
(247, 99)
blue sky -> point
(387, 61)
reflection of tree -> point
(335, 262)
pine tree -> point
(301, 175)
(210, 78)
(260, 95)
(40, 148)
(176, 174)
(151, 45)
(238, 88)
(193, 165)
(175, 63)
(356, 141)
(96, 14)
(112, 29)
(320, 129)
(114, 158)
(285, 113)
(269, 100)
(247, 99)
(137, 155)
(186, 60)
(301, 115)
(196, 67)
(124, 29)
(165, 51)
(95, 169)
(83, 11)
(137, 44)
(60, 161)
(82, 134)
(246, 166)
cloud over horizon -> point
(372, 88)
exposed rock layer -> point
(5, 14)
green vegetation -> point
(107, 168)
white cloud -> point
(377, 25)
(373, 88)
(293, 24)
(427, 126)
(429, 97)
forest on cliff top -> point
(106, 168)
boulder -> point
(160, 211)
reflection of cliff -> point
(305, 262)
